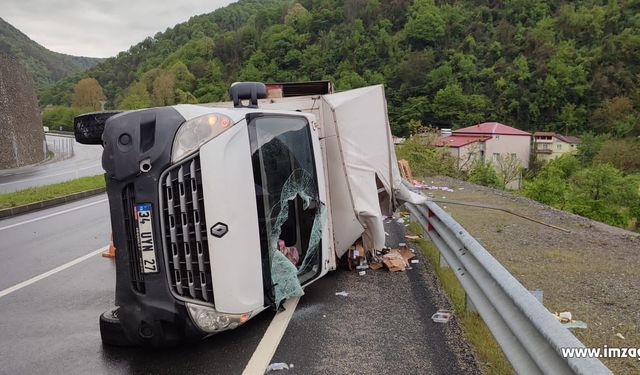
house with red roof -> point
(488, 141)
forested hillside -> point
(537, 65)
(44, 66)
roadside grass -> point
(488, 351)
(40, 193)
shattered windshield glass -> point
(291, 216)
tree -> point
(164, 89)
(425, 25)
(137, 97)
(551, 185)
(601, 192)
(55, 116)
(426, 159)
(624, 154)
(617, 116)
(183, 78)
(508, 168)
(88, 94)
(589, 147)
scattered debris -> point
(400, 221)
(619, 335)
(375, 266)
(579, 324)
(405, 170)
(563, 317)
(386, 233)
(412, 238)
(442, 316)
(277, 366)
(343, 294)
(406, 254)
(415, 261)
(362, 273)
(394, 261)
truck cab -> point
(221, 211)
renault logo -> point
(219, 230)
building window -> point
(545, 146)
(497, 137)
(559, 146)
(496, 157)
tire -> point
(111, 330)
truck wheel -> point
(111, 330)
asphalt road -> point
(86, 161)
(50, 326)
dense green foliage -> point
(44, 66)
(426, 160)
(482, 173)
(536, 65)
(600, 191)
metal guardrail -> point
(531, 338)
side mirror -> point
(88, 127)
(251, 91)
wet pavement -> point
(51, 326)
(86, 161)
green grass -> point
(41, 193)
(487, 350)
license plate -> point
(145, 238)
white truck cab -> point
(220, 211)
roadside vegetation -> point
(487, 350)
(561, 66)
(600, 182)
(41, 193)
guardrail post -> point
(468, 304)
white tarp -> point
(364, 139)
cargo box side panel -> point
(346, 227)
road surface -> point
(86, 161)
(54, 285)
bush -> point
(482, 173)
(425, 159)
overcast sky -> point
(98, 28)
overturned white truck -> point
(220, 211)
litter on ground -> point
(579, 324)
(442, 316)
(343, 294)
(279, 366)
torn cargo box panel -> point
(359, 121)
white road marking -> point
(52, 272)
(267, 347)
(53, 214)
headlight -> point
(209, 320)
(195, 132)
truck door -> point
(290, 200)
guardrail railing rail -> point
(529, 335)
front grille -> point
(185, 232)
(133, 250)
